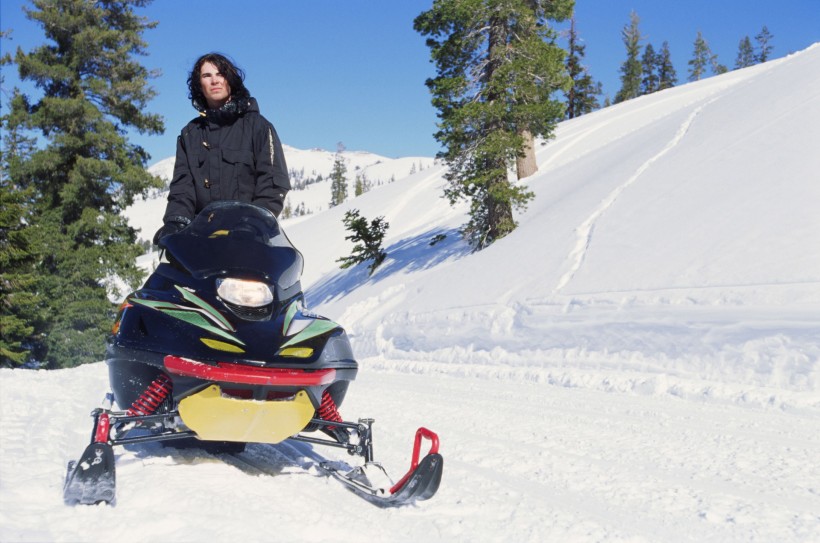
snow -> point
(146, 213)
(638, 361)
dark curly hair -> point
(232, 73)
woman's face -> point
(215, 87)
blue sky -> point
(327, 71)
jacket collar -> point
(231, 111)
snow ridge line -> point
(586, 229)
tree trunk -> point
(525, 163)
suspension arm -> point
(363, 446)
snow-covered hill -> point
(638, 361)
(310, 177)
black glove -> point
(172, 226)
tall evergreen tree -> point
(19, 301)
(649, 66)
(582, 94)
(701, 57)
(363, 184)
(527, 32)
(764, 47)
(667, 77)
(338, 177)
(631, 69)
(86, 173)
(745, 54)
(497, 67)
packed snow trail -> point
(585, 230)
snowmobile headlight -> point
(243, 292)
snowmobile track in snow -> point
(587, 228)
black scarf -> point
(229, 112)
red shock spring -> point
(328, 410)
(152, 397)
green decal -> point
(154, 304)
(195, 318)
(316, 328)
(289, 317)
(190, 315)
(217, 316)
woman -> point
(229, 152)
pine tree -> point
(19, 300)
(287, 211)
(367, 239)
(362, 184)
(701, 57)
(631, 68)
(649, 65)
(87, 172)
(667, 77)
(745, 54)
(526, 32)
(583, 92)
(338, 177)
(497, 67)
(764, 49)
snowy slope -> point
(638, 361)
(303, 165)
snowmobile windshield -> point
(235, 239)
(242, 221)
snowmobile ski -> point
(91, 479)
(420, 483)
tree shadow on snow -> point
(404, 256)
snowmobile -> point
(218, 348)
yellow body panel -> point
(221, 345)
(298, 352)
(215, 417)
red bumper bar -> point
(248, 375)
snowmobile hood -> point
(239, 240)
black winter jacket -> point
(232, 153)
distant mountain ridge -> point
(309, 171)
(318, 161)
